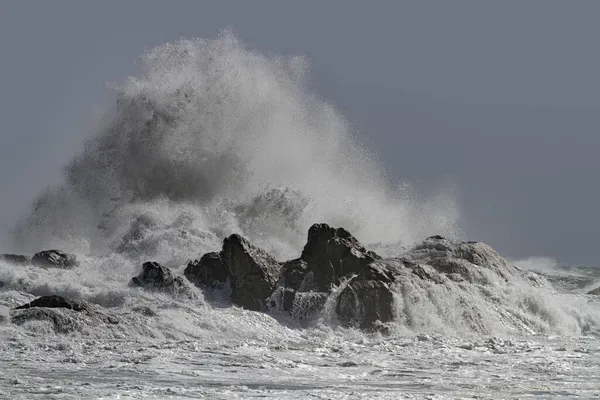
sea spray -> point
(211, 138)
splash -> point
(211, 138)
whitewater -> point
(210, 138)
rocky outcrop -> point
(253, 273)
(368, 302)
(159, 278)
(15, 259)
(209, 270)
(64, 315)
(332, 254)
(54, 259)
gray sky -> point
(500, 98)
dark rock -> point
(436, 237)
(55, 301)
(367, 300)
(332, 254)
(209, 270)
(253, 272)
(157, 277)
(15, 259)
(293, 273)
(289, 295)
(595, 291)
(55, 259)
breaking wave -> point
(211, 138)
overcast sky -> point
(501, 98)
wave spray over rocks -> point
(224, 233)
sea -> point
(207, 138)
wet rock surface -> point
(54, 259)
(55, 301)
(253, 272)
(209, 270)
(332, 254)
(160, 278)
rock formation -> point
(159, 278)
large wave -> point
(211, 138)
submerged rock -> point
(332, 254)
(55, 301)
(157, 277)
(253, 272)
(595, 291)
(209, 270)
(64, 315)
(54, 259)
(15, 259)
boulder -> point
(253, 272)
(157, 277)
(332, 254)
(54, 259)
(15, 259)
(209, 270)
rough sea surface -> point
(209, 139)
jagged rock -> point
(367, 300)
(157, 277)
(55, 301)
(15, 259)
(209, 270)
(54, 258)
(253, 272)
(64, 314)
(332, 254)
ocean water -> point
(211, 138)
